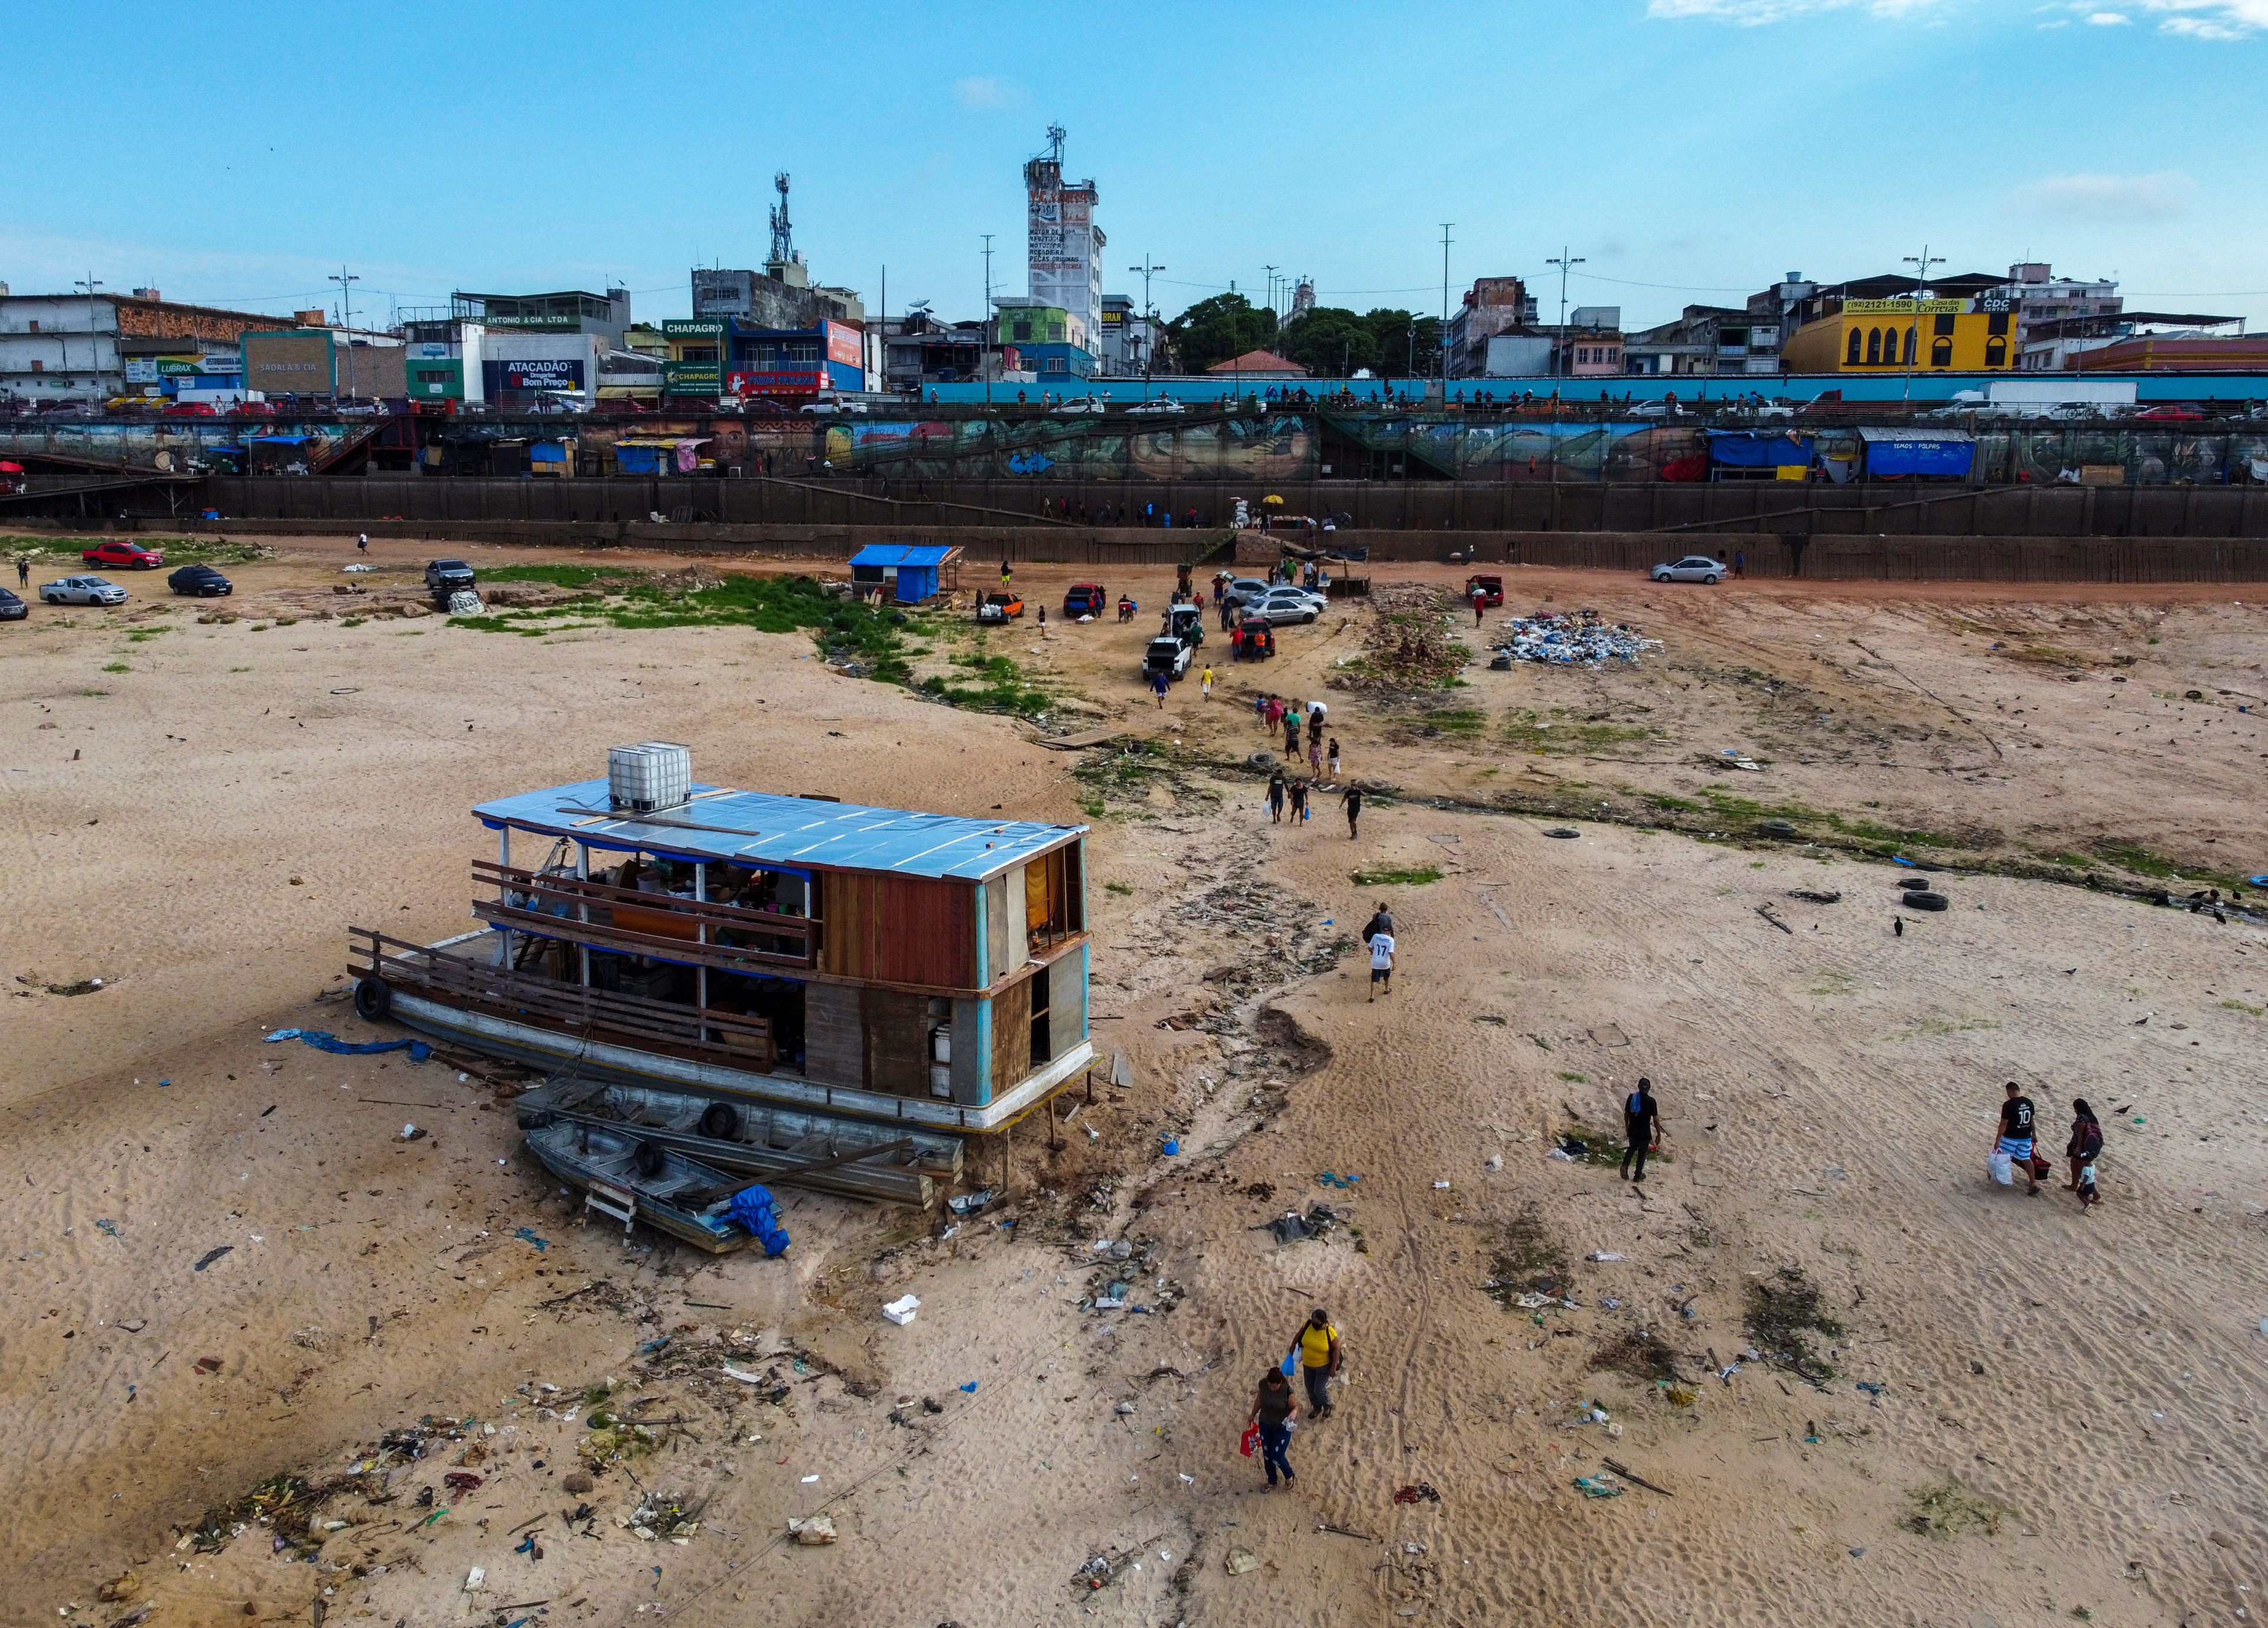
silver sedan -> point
(1692, 568)
(82, 591)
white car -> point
(82, 591)
(1692, 568)
(1163, 404)
(1244, 590)
(1282, 605)
(1080, 404)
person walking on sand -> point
(1739, 562)
(362, 543)
(2013, 1135)
(1204, 683)
(1335, 757)
(1276, 798)
(1641, 1128)
(1318, 1345)
(1353, 812)
(2084, 1148)
(23, 571)
(1299, 802)
(1314, 753)
(1291, 731)
(1274, 714)
(1480, 603)
(1043, 622)
(1159, 681)
(1380, 940)
(1273, 1410)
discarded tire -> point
(648, 1159)
(1563, 830)
(720, 1122)
(372, 999)
(1775, 827)
(1914, 884)
(1925, 901)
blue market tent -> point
(1943, 454)
(912, 567)
(1758, 449)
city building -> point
(646, 340)
(572, 311)
(1122, 349)
(920, 349)
(2060, 344)
(2034, 294)
(1492, 306)
(2175, 353)
(1042, 339)
(782, 363)
(1588, 351)
(91, 347)
(693, 358)
(1520, 353)
(1066, 256)
(322, 363)
(1898, 334)
(1709, 341)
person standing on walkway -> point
(1273, 1410)
(1276, 798)
(2015, 1135)
(1353, 812)
(1318, 1345)
(1641, 1128)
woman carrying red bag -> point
(1273, 1410)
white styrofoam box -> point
(902, 1311)
(654, 774)
(941, 1080)
(940, 1043)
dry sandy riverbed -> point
(2072, 1398)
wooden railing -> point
(730, 1037)
(644, 924)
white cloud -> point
(985, 92)
(2109, 20)
(2110, 199)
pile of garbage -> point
(1567, 637)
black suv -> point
(199, 582)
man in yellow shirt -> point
(1318, 1346)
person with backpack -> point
(1641, 1128)
(2014, 1136)
(1273, 1410)
(1318, 1346)
(2084, 1148)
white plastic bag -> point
(2004, 1169)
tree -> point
(1331, 342)
(1213, 330)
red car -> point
(2176, 415)
(130, 555)
(188, 409)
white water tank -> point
(655, 774)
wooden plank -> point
(925, 930)
(1012, 1034)
(896, 1029)
(629, 941)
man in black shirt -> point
(1641, 1128)
(2013, 1135)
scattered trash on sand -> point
(210, 1256)
(902, 1311)
(1417, 1492)
(1570, 638)
(1597, 1486)
(418, 1049)
(1239, 1561)
(813, 1532)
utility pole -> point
(346, 294)
(1445, 310)
(1271, 286)
(1149, 321)
(86, 285)
(1564, 262)
(987, 365)
(1921, 263)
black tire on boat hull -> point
(720, 1122)
(372, 999)
(649, 1159)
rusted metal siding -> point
(896, 1041)
(898, 929)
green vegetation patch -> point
(1953, 1508)
(1406, 876)
(1562, 731)
(988, 684)
(1526, 1259)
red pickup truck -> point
(1085, 598)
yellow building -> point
(1892, 335)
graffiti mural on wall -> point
(1270, 447)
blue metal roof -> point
(758, 828)
(901, 554)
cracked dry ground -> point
(1829, 1093)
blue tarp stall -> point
(1934, 454)
(912, 567)
(280, 454)
(643, 457)
(1757, 454)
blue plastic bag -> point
(753, 1208)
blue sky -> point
(1689, 151)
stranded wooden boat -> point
(631, 1177)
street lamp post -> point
(1921, 263)
(1149, 321)
(985, 365)
(1564, 262)
(1443, 345)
